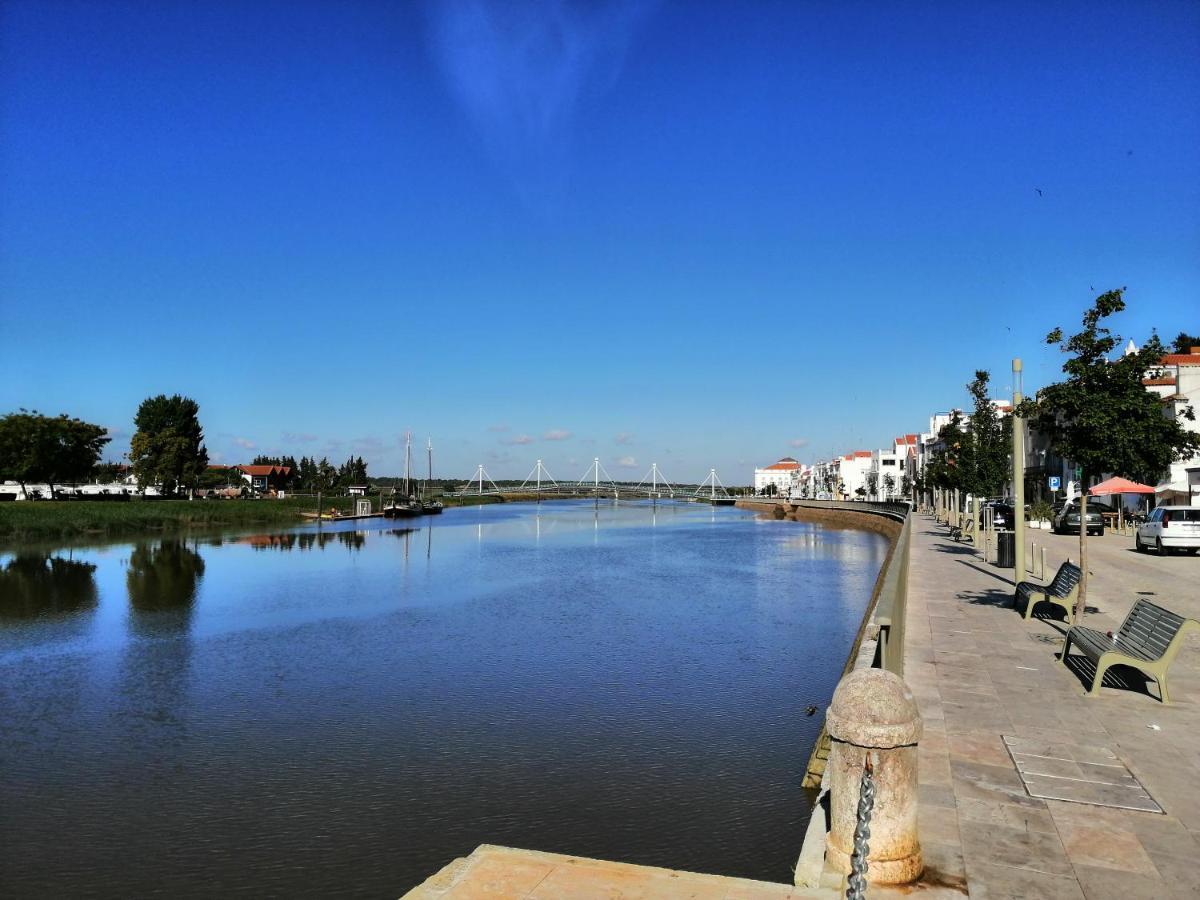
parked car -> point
(1003, 517)
(1066, 518)
(1170, 528)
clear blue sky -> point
(697, 233)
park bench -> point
(1148, 640)
(1062, 591)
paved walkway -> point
(981, 672)
(495, 872)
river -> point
(345, 710)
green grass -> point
(61, 519)
(52, 520)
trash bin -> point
(1006, 549)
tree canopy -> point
(1101, 417)
(987, 444)
(168, 447)
(1184, 342)
(53, 449)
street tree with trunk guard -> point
(1102, 418)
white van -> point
(1168, 528)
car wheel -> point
(1162, 551)
(1137, 544)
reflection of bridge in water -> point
(596, 482)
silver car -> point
(1170, 528)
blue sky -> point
(697, 233)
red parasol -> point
(1121, 486)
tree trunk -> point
(50, 484)
(1081, 602)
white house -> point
(782, 475)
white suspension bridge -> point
(596, 482)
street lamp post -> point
(1018, 454)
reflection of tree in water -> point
(162, 581)
(163, 577)
(35, 584)
(354, 540)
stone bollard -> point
(873, 711)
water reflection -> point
(162, 578)
(316, 540)
(37, 584)
(598, 657)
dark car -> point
(1066, 518)
(1003, 517)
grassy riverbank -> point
(51, 520)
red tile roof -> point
(785, 464)
(1181, 359)
(1165, 381)
(266, 470)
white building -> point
(1177, 382)
(783, 475)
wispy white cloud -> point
(518, 439)
(798, 443)
(556, 434)
(624, 437)
(245, 443)
(499, 427)
(627, 462)
(519, 71)
(298, 437)
(368, 444)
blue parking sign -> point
(1055, 482)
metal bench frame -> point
(1147, 640)
(1062, 591)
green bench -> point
(1062, 591)
(1148, 640)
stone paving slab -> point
(1077, 774)
(504, 872)
(982, 674)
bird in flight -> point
(1039, 190)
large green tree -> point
(168, 447)
(1102, 418)
(53, 449)
(987, 443)
(1184, 342)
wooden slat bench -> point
(1148, 640)
(1062, 591)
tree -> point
(1184, 342)
(906, 486)
(168, 446)
(352, 471)
(987, 444)
(1102, 418)
(54, 449)
(872, 483)
(889, 485)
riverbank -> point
(55, 519)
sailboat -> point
(430, 507)
(405, 507)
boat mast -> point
(429, 450)
(408, 464)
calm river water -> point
(344, 712)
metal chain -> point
(857, 888)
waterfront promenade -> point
(980, 672)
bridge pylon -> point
(656, 478)
(713, 483)
(479, 478)
(591, 478)
(539, 472)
